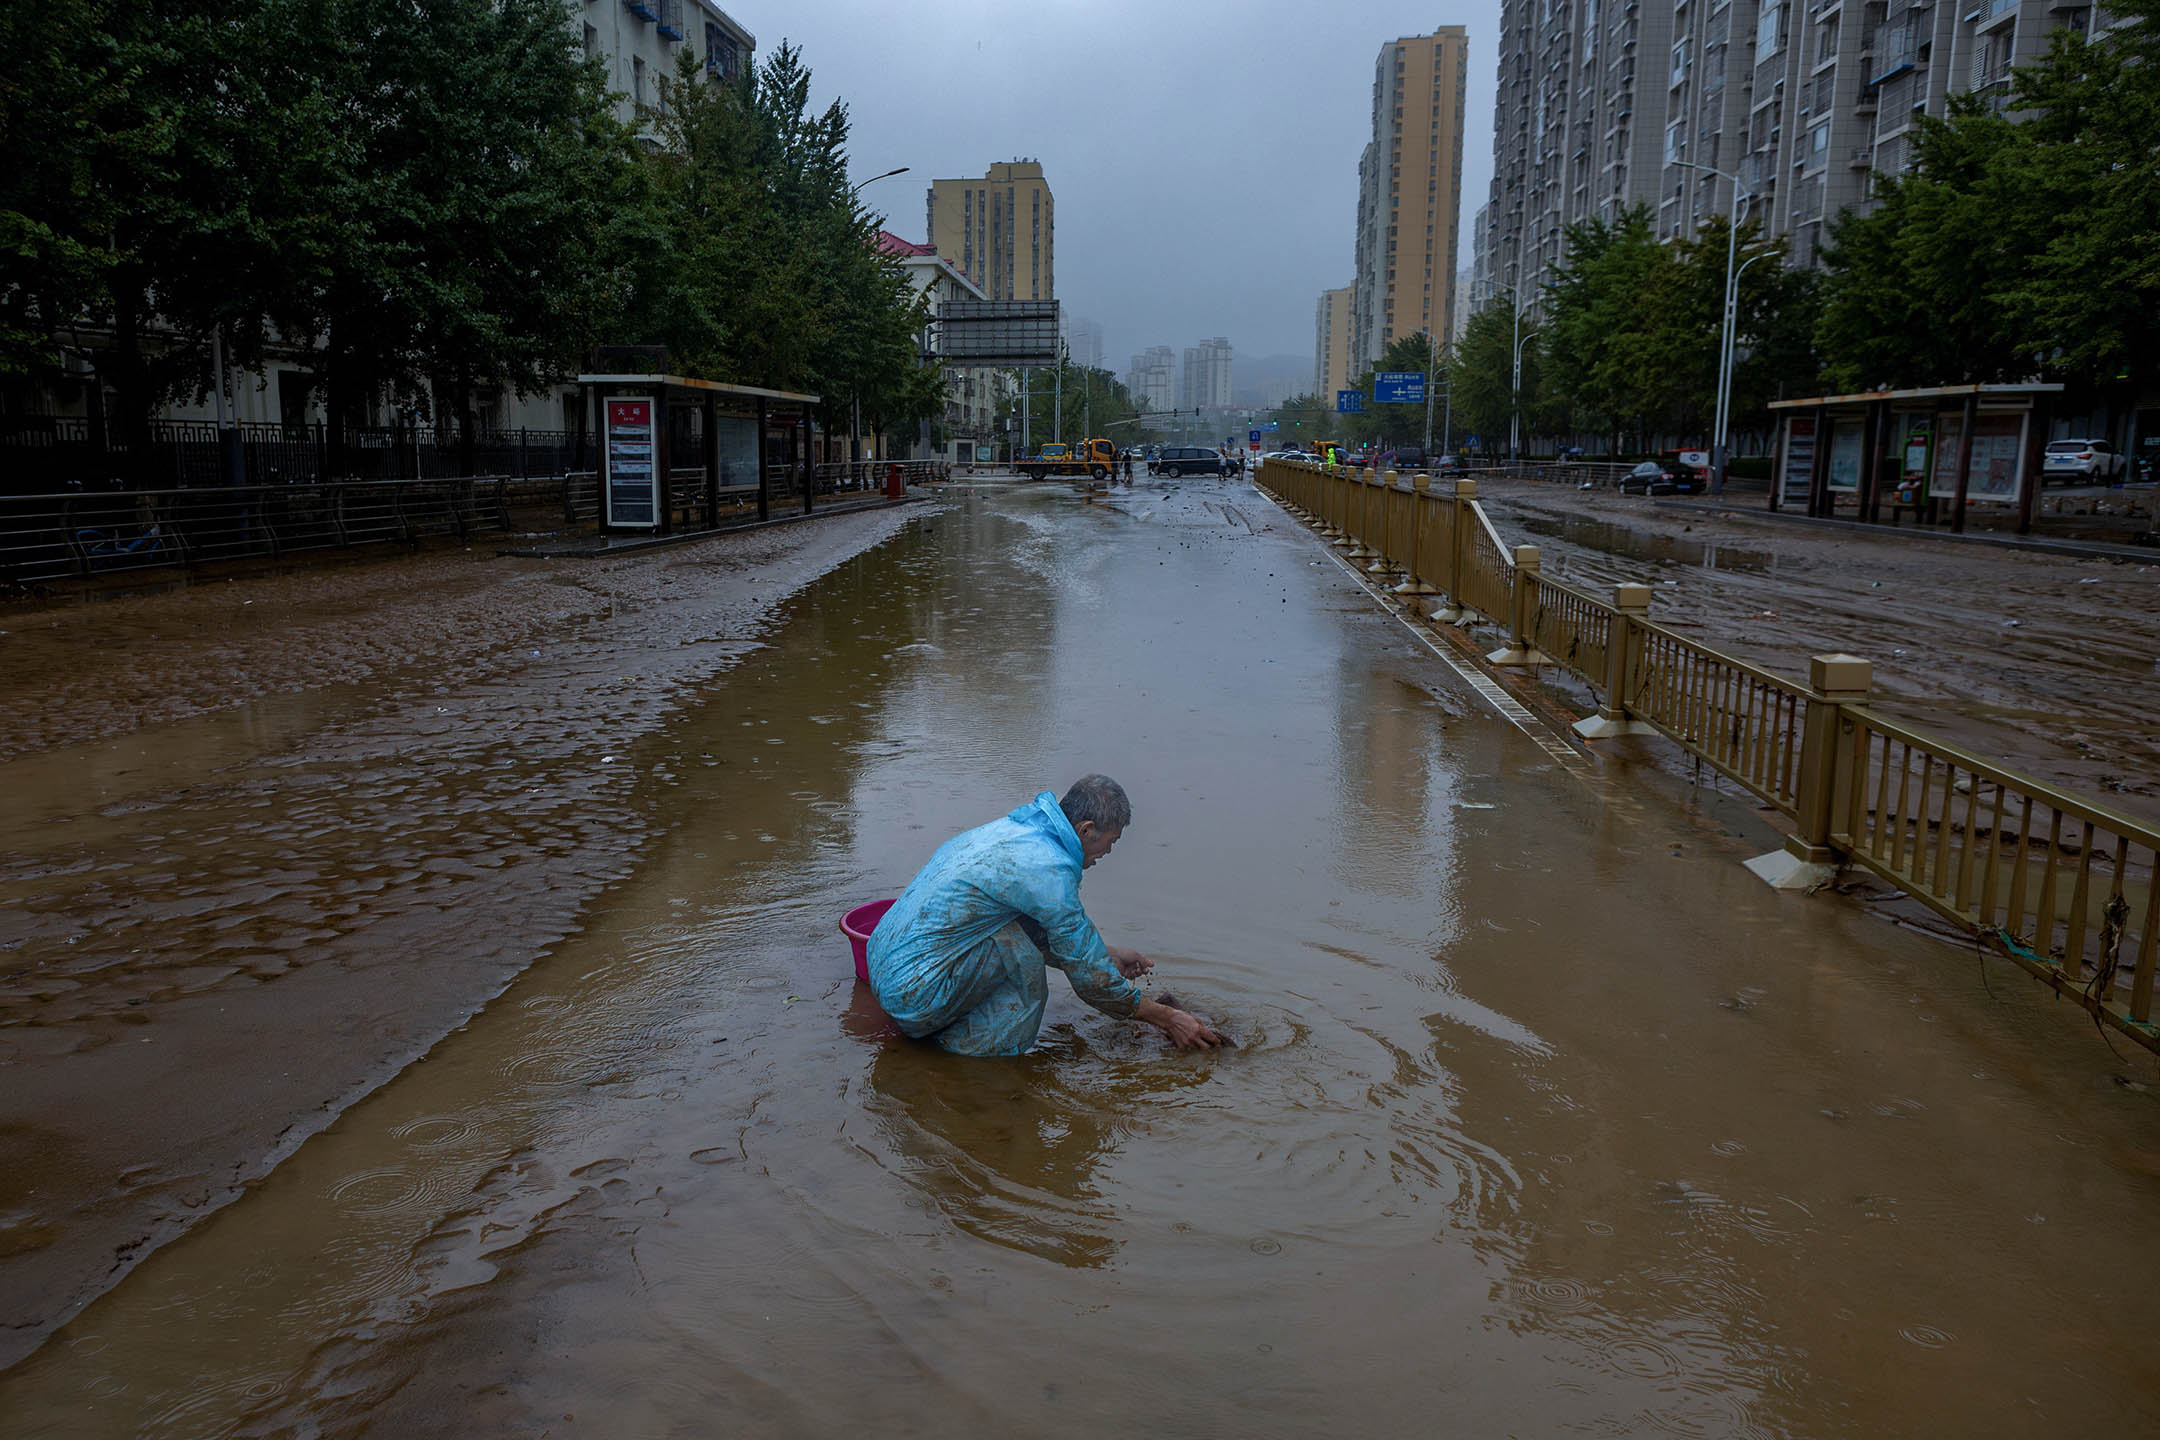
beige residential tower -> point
(1410, 193)
(1000, 231)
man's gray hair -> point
(1100, 799)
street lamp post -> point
(855, 418)
(1515, 417)
(1725, 335)
(887, 175)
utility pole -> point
(1430, 351)
(1027, 408)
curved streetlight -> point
(902, 170)
(855, 399)
(1725, 334)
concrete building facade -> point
(640, 45)
(1153, 378)
(1607, 104)
(971, 393)
(1084, 343)
(1000, 230)
(1205, 379)
(1410, 193)
(1331, 342)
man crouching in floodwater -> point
(959, 959)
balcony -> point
(649, 13)
(1863, 158)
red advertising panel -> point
(632, 497)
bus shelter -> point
(678, 454)
(1937, 453)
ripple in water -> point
(1560, 1294)
(433, 1130)
(1597, 1227)
(544, 1067)
(1643, 1359)
(1265, 1246)
(1728, 1147)
(1927, 1337)
(220, 1402)
(379, 1192)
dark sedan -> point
(1187, 460)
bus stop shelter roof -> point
(702, 387)
(1935, 392)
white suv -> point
(2075, 460)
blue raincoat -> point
(960, 958)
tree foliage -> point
(422, 201)
(2023, 243)
(777, 278)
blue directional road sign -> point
(1273, 427)
(1254, 437)
(1399, 387)
(1349, 402)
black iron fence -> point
(44, 538)
(43, 454)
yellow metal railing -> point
(1742, 720)
(2063, 886)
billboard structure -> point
(1005, 334)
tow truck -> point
(1096, 459)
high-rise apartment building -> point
(999, 230)
(1083, 343)
(1410, 193)
(1331, 342)
(1153, 378)
(1206, 377)
(1607, 104)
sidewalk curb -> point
(667, 542)
(2075, 549)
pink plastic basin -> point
(857, 925)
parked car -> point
(2076, 461)
(1186, 460)
(1660, 477)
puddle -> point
(1654, 549)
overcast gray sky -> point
(1203, 153)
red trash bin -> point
(894, 488)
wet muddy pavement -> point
(2047, 663)
(1546, 1116)
(266, 841)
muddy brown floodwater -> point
(1546, 1116)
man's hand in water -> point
(1186, 1031)
(1130, 963)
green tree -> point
(776, 277)
(1481, 379)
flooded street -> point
(1545, 1116)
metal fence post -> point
(1519, 653)
(1631, 608)
(1383, 501)
(1808, 857)
(1460, 541)
(1413, 589)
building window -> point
(1768, 32)
(637, 79)
(592, 41)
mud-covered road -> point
(266, 840)
(1546, 1117)
(2044, 662)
